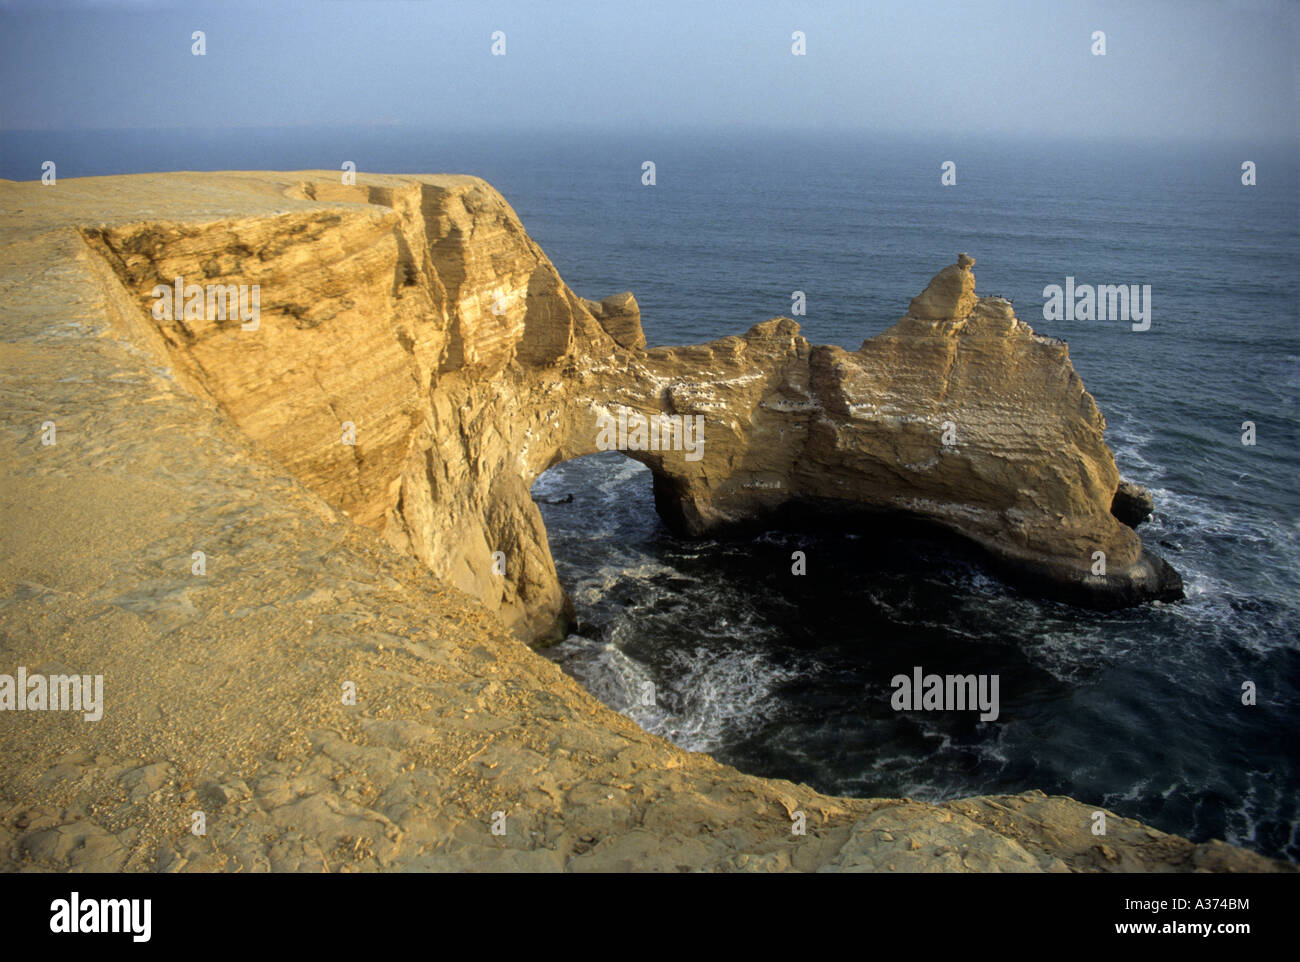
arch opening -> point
(715, 643)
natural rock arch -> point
(417, 308)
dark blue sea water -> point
(1140, 710)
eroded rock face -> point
(223, 690)
(418, 310)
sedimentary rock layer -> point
(418, 311)
(222, 684)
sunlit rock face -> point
(418, 362)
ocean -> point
(1138, 711)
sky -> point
(1213, 70)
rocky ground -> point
(224, 690)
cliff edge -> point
(419, 362)
(182, 517)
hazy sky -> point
(1203, 69)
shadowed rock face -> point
(419, 310)
(1133, 503)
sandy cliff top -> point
(223, 690)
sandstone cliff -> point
(418, 310)
(222, 687)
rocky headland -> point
(355, 468)
(419, 311)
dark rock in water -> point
(1132, 504)
(567, 499)
(1171, 545)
